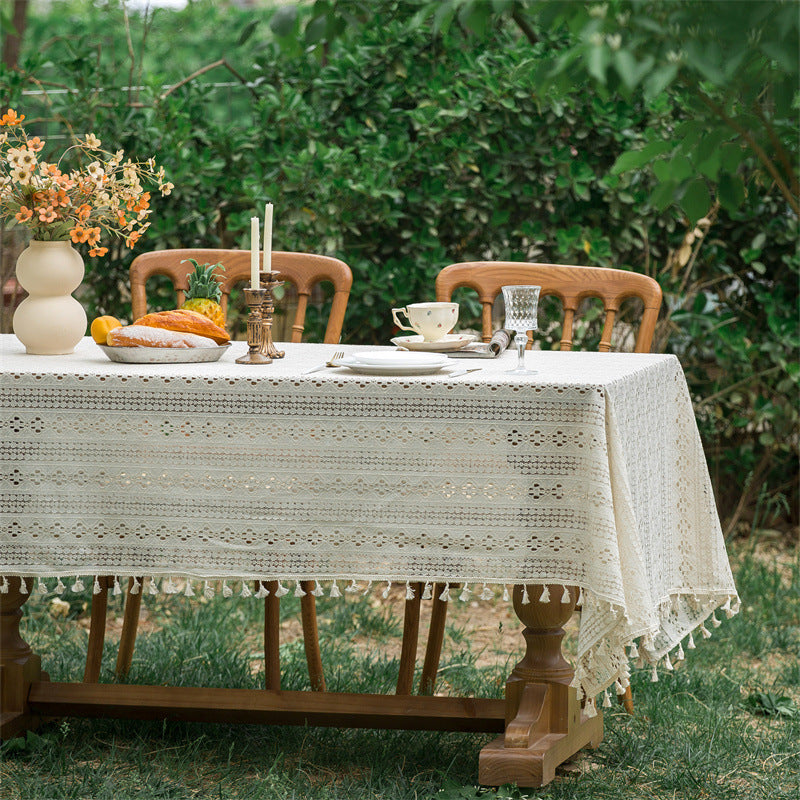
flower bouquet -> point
(60, 207)
(107, 196)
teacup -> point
(433, 321)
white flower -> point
(166, 188)
(96, 171)
(21, 175)
(92, 142)
(598, 11)
(614, 41)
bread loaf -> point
(147, 336)
(185, 322)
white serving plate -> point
(397, 358)
(447, 344)
(163, 355)
(398, 369)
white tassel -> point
(318, 590)
(619, 687)
(281, 590)
(152, 586)
(41, 587)
(566, 597)
(445, 595)
(367, 590)
(262, 591)
(208, 590)
(96, 586)
(589, 708)
(168, 587)
(634, 651)
(667, 663)
(298, 590)
(427, 592)
(385, 592)
(78, 585)
(188, 591)
(606, 699)
(226, 590)
(486, 593)
(465, 593)
(409, 591)
(580, 601)
(4, 585)
(545, 595)
(506, 595)
(680, 655)
(335, 590)
(706, 633)
(736, 606)
(525, 598)
(136, 588)
(714, 621)
(353, 587)
(60, 588)
(690, 645)
(246, 591)
(117, 588)
(654, 675)
(23, 587)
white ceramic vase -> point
(50, 321)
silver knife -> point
(463, 371)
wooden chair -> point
(304, 270)
(572, 285)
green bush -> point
(400, 152)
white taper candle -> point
(254, 253)
(268, 238)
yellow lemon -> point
(101, 327)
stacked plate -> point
(395, 362)
(447, 344)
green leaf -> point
(696, 200)
(247, 31)
(284, 20)
(634, 159)
(659, 79)
(597, 61)
(316, 29)
(630, 70)
(677, 169)
(663, 195)
(730, 191)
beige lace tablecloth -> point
(590, 473)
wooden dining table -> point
(583, 485)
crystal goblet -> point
(522, 303)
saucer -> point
(395, 363)
(448, 343)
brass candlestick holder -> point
(255, 328)
(268, 349)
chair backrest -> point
(304, 270)
(569, 283)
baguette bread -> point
(184, 322)
(148, 336)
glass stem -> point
(521, 340)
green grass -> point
(695, 734)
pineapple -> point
(204, 292)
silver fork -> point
(332, 362)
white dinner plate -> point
(398, 369)
(163, 355)
(447, 344)
(398, 358)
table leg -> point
(545, 724)
(19, 666)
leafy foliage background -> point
(401, 145)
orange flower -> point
(47, 213)
(11, 118)
(144, 202)
(121, 219)
(133, 238)
(94, 236)
(24, 214)
(98, 251)
(84, 212)
(79, 234)
(35, 144)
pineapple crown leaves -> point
(202, 282)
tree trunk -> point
(12, 39)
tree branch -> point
(221, 63)
(780, 150)
(757, 149)
(524, 25)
